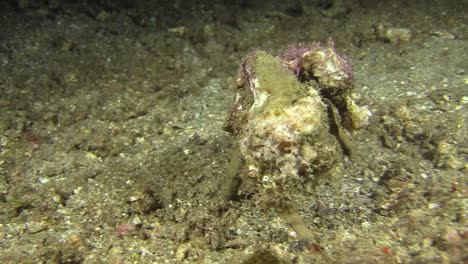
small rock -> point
(393, 35)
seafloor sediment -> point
(112, 148)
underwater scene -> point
(233, 131)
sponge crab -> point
(287, 120)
